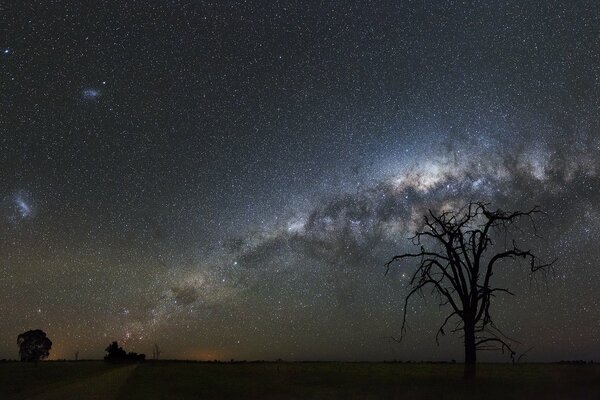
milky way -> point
(228, 180)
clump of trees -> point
(115, 353)
(34, 345)
(456, 260)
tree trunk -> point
(470, 353)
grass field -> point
(182, 380)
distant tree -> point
(114, 352)
(133, 356)
(117, 354)
(155, 352)
(76, 355)
(458, 269)
(34, 345)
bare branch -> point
(460, 272)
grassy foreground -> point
(182, 380)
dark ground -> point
(188, 380)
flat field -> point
(190, 380)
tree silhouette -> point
(34, 345)
(115, 353)
(156, 352)
(457, 267)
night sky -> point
(227, 179)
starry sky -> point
(227, 179)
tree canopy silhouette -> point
(457, 262)
(117, 354)
(34, 345)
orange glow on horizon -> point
(203, 355)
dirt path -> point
(105, 386)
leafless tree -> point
(458, 264)
(155, 351)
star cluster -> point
(227, 179)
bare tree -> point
(458, 266)
(155, 351)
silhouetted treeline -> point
(578, 362)
(115, 353)
(418, 362)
